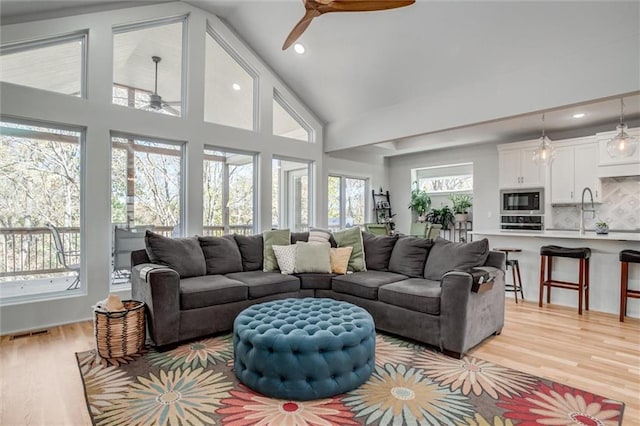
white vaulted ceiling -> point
(441, 73)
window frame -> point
(82, 36)
(244, 64)
(280, 99)
(183, 169)
(83, 287)
(255, 179)
(184, 19)
(343, 193)
(285, 210)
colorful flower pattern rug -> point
(194, 384)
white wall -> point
(486, 206)
(99, 117)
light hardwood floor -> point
(40, 383)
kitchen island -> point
(604, 269)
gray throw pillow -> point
(221, 254)
(183, 255)
(250, 247)
(377, 250)
(409, 255)
(446, 256)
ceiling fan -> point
(315, 8)
(155, 100)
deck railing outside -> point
(32, 251)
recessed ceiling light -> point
(235, 86)
(299, 48)
(578, 115)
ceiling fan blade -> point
(170, 109)
(300, 27)
(360, 5)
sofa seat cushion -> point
(208, 290)
(415, 294)
(263, 284)
(364, 284)
(315, 281)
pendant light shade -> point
(622, 145)
(545, 153)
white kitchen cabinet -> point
(517, 168)
(572, 170)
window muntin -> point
(228, 192)
(347, 201)
(291, 202)
(56, 65)
(146, 183)
(134, 67)
(229, 86)
(286, 122)
(40, 183)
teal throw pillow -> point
(313, 258)
(277, 237)
(352, 237)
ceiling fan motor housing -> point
(155, 101)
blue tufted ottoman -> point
(303, 349)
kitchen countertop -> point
(568, 234)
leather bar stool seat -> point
(547, 253)
(574, 253)
(626, 257)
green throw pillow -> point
(277, 237)
(312, 258)
(352, 237)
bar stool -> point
(626, 257)
(548, 253)
(515, 269)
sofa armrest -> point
(159, 288)
(467, 318)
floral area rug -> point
(194, 384)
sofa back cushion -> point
(409, 256)
(251, 251)
(183, 255)
(377, 250)
(352, 237)
(221, 254)
(280, 237)
(299, 236)
(446, 256)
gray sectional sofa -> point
(413, 287)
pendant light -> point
(545, 153)
(622, 145)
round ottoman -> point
(303, 349)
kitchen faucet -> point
(582, 209)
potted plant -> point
(461, 204)
(443, 216)
(420, 202)
(602, 227)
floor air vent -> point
(28, 334)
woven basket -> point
(122, 333)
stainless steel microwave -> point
(522, 201)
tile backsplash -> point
(620, 207)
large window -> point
(147, 66)
(445, 179)
(286, 122)
(56, 64)
(347, 201)
(40, 215)
(229, 86)
(146, 187)
(228, 192)
(291, 202)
